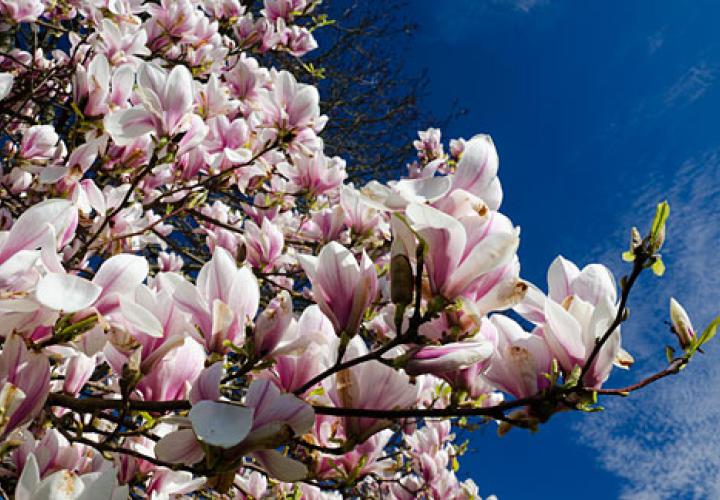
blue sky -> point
(599, 110)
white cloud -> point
(692, 84)
(656, 41)
(665, 440)
(523, 5)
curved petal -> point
(490, 253)
(65, 292)
(478, 165)
(445, 237)
(207, 385)
(121, 274)
(560, 276)
(177, 97)
(221, 424)
(126, 125)
(29, 479)
(564, 336)
(141, 318)
(281, 467)
(595, 283)
(179, 447)
(29, 229)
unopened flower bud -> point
(272, 323)
(401, 280)
(659, 239)
(681, 325)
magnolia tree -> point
(194, 302)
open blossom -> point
(366, 458)
(343, 288)
(370, 385)
(268, 419)
(317, 174)
(54, 452)
(308, 347)
(578, 311)
(222, 302)
(68, 484)
(227, 142)
(50, 224)
(285, 9)
(165, 108)
(99, 87)
(521, 362)
(122, 42)
(292, 106)
(461, 252)
(22, 11)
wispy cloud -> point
(665, 440)
(692, 84)
(523, 5)
(656, 41)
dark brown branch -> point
(675, 366)
(89, 405)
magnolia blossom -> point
(308, 347)
(522, 360)
(39, 143)
(165, 109)
(343, 288)
(268, 419)
(223, 300)
(69, 485)
(317, 174)
(292, 106)
(22, 11)
(579, 310)
(449, 357)
(370, 385)
(263, 244)
(476, 171)
(461, 252)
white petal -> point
(280, 466)
(121, 274)
(127, 125)
(140, 318)
(179, 447)
(66, 292)
(6, 83)
(99, 484)
(560, 276)
(221, 424)
(29, 479)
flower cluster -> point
(192, 298)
